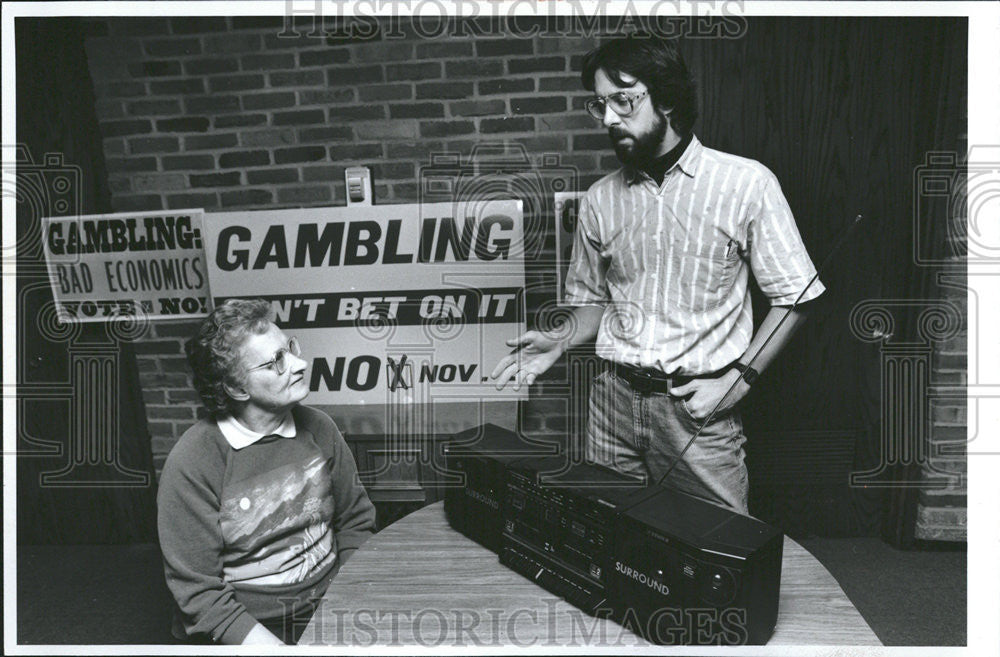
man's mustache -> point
(617, 133)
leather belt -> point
(647, 379)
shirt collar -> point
(688, 163)
(238, 436)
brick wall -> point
(226, 113)
(941, 512)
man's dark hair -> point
(659, 65)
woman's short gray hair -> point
(214, 351)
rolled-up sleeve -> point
(778, 258)
(586, 278)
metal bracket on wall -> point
(358, 181)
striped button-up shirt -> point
(674, 260)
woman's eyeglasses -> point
(279, 363)
(621, 103)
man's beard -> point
(641, 150)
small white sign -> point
(109, 267)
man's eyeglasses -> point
(279, 362)
(621, 103)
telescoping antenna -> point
(774, 331)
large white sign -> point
(117, 266)
(407, 303)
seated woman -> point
(260, 503)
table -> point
(418, 582)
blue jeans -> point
(641, 433)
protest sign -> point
(119, 266)
(394, 302)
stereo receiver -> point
(673, 567)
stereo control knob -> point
(716, 587)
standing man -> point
(660, 272)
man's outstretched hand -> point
(533, 354)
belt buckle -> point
(642, 381)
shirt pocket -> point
(702, 276)
(626, 258)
